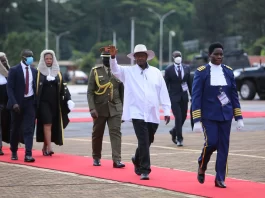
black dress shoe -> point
(118, 164)
(29, 159)
(96, 162)
(220, 184)
(172, 137)
(1, 152)
(136, 167)
(144, 176)
(14, 156)
(201, 176)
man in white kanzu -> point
(144, 91)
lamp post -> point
(171, 34)
(132, 37)
(114, 42)
(46, 25)
(161, 19)
(57, 38)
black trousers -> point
(179, 110)
(23, 125)
(145, 132)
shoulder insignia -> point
(229, 67)
(201, 68)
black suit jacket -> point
(173, 82)
(16, 85)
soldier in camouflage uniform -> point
(105, 100)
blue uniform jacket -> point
(205, 103)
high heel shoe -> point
(44, 152)
(50, 153)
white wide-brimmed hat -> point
(142, 48)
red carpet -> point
(174, 180)
(246, 114)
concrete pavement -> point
(246, 159)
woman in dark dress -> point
(4, 113)
(53, 103)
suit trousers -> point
(114, 125)
(217, 135)
(145, 132)
(179, 110)
(23, 124)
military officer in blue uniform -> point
(214, 104)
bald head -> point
(176, 54)
(26, 53)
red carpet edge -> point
(165, 178)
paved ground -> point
(246, 161)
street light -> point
(114, 42)
(171, 34)
(57, 38)
(46, 25)
(161, 19)
(132, 36)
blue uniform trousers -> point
(217, 135)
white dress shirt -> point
(3, 80)
(217, 75)
(144, 92)
(31, 92)
(181, 69)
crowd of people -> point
(119, 94)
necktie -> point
(109, 73)
(27, 81)
(179, 72)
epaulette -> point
(201, 68)
(97, 66)
(229, 67)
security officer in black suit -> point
(177, 78)
(21, 89)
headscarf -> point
(42, 67)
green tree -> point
(252, 19)
(16, 42)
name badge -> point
(184, 86)
(223, 98)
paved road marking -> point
(102, 180)
(171, 148)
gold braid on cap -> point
(104, 87)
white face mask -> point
(178, 60)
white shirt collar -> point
(213, 65)
(144, 68)
(23, 65)
(177, 65)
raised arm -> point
(117, 70)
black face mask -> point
(105, 61)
